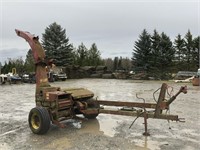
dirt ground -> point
(107, 132)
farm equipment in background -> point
(54, 105)
(14, 77)
(10, 77)
(29, 78)
(196, 79)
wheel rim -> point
(35, 121)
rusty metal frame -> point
(155, 109)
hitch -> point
(145, 110)
(181, 120)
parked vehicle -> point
(196, 79)
(3, 79)
(29, 78)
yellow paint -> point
(43, 80)
(47, 95)
(35, 121)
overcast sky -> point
(114, 25)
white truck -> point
(198, 72)
(196, 79)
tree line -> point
(159, 57)
(154, 54)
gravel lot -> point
(107, 132)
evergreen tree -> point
(82, 55)
(120, 63)
(179, 45)
(4, 69)
(115, 63)
(56, 45)
(166, 55)
(10, 65)
(142, 51)
(189, 50)
(162, 55)
(74, 56)
(196, 53)
(29, 62)
(18, 64)
(154, 60)
(94, 56)
(0, 67)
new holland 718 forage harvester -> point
(54, 105)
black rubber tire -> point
(92, 104)
(39, 120)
